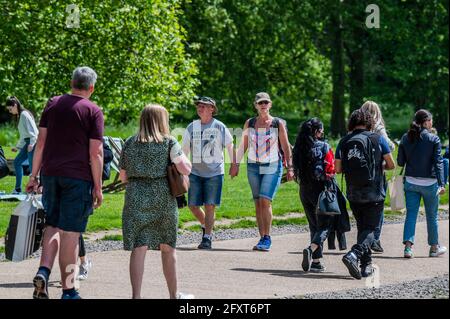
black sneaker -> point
(40, 283)
(205, 244)
(367, 270)
(317, 267)
(351, 262)
(376, 247)
(307, 259)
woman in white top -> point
(267, 142)
(28, 133)
(379, 128)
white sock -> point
(208, 236)
(203, 225)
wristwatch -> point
(36, 178)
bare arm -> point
(389, 161)
(123, 176)
(287, 150)
(37, 160)
(285, 145)
(96, 159)
(338, 166)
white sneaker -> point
(181, 295)
(84, 270)
(440, 251)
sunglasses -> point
(263, 102)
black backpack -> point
(362, 166)
(107, 159)
(317, 161)
(4, 170)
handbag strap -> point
(169, 149)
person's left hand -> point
(290, 175)
(30, 148)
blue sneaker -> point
(69, 296)
(266, 243)
(258, 244)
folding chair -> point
(115, 143)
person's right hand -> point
(14, 149)
(32, 185)
(97, 195)
(234, 170)
(441, 190)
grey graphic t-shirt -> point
(207, 142)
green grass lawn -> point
(236, 203)
(236, 197)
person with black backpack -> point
(362, 156)
(313, 162)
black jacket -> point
(423, 157)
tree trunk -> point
(357, 77)
(337, 64)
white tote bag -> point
(21, 232)
(396, 192)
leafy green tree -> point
(136, 48)
(243, 47)
(408, 57)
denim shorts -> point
(205, 190)
(67, 202)
(264, 179)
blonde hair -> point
(154, 124)
(374, 110)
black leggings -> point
(319, 225)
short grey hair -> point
(83, 77)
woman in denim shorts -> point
(265, 138)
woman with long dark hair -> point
(420, 151)
(28, 133)
(313, 162)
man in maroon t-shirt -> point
(69, 157)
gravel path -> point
(433, 288)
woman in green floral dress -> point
(150, 214)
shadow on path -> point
(296, 273)
(28, 285)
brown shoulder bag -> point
(178, 183)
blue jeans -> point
(377, 232)
(21, 157)
(264, 179)
(413, 195)
(445, 170)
